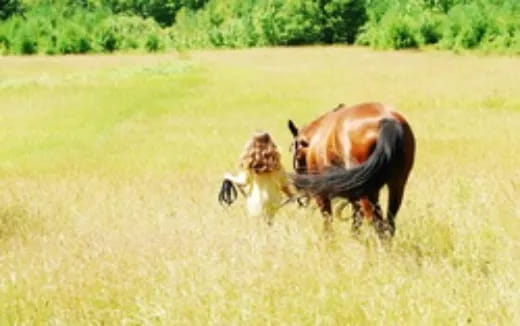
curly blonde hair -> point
(261, 154)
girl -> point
(262, 179)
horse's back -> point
(346, 136)
(365, 114)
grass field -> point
(110, 166)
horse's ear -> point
(292, 128)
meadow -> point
(110, 167)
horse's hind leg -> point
(372, 210)
(384, 230)
(395, 197)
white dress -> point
(264, 191)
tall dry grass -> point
(109, 168)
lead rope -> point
(302, 201)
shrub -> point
(465, 26)
(26, 41)
(271, 22)
(162, 11)
(74, 39)
(342, 20)
(4, 45)
(220, 24)
(191, 30)
(9, 8)
(296, 22)
(108, 36)
(401, 34)
(394, 31)
(430, 28)
(153, 42)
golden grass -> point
(109, 168)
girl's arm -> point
(241, 179)
(284, 184)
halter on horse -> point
(351, 153)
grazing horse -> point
(351, 153)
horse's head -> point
(299, 147)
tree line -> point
(91, 26)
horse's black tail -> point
(365, 178)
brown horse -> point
(351, 153)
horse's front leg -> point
(357, 217)
(326, 210)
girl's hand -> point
(228, 193)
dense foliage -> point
(80, 26)
(492, 25)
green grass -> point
(110, 166)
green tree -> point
(9, 7)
